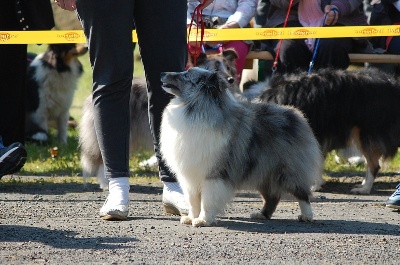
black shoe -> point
(12, 158)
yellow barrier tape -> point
(77, 36)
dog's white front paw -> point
(305, 218)
(198, 222)
(257, 216)
(186, 220)
(40, 136)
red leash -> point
(280, 41)
(198, 15)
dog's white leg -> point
(366, 185)
(62, 127)
(40, 119)
(318, 183)
(306, 212)
(215, 195)
(101, 178)
(372, 170)
(194, 199)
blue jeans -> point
(161, 30)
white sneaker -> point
(173, 200)
(116, 206)
(111, 212)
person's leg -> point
(13, 78)
(161, 30)
(242, 49)
(108, 26)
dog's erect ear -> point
(230, 54)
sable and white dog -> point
(52, 79)
(345, 108)
(140, 135)
(217, 144)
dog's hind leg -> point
(372, 170)
(270, 204)
(304, 202)
(62, 128)
(215, 194)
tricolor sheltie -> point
(218, 144)
(52, 80)
(345, 107)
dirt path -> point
(57, 223)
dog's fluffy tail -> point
(92, 163)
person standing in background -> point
(17, 15)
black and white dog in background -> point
(344, 107)
(52, 79)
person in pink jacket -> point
(225, 14)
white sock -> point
(173, 186)
(118, 190)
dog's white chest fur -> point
(57, 89)
(193, 160)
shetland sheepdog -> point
(344, 108)
(52, 79)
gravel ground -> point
(57, 223)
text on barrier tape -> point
(77, 36)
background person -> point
(225, 14)
(17, 15)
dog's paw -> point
(40, 137)
(186, 220)
(305, 218)
(257, 216)
(199, 222)
(359, 189)
(318, 184)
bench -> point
(354, 57)
(258, 73)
